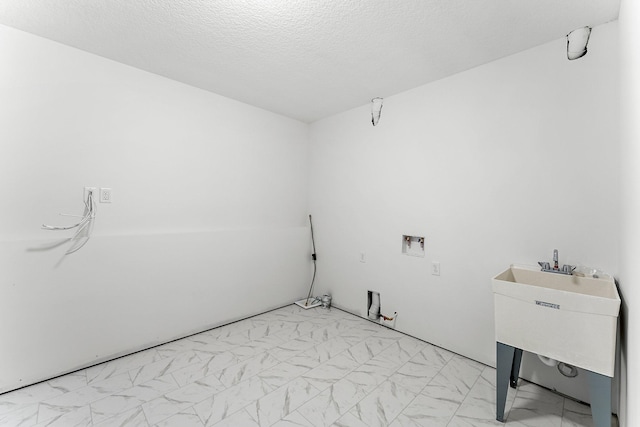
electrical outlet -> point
(93, 190)
(106, 195)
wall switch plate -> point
(94, 190)
(106, 195)
(435, 268)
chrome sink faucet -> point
(566, 269)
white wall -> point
(208, 222)
(497, 165)
(630, 222)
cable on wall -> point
(82, 226)
(313, 257)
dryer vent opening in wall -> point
(373, 305)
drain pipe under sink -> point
(565, 369)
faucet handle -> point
(568, 269)
(544, 265)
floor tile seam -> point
(37, 411)
(90, 405)
(562, 421)
(119, 393)
(522, 380)
(372, 391)
(438, 373)
(178, 384)
(354, 404)
(91, 415)
(377, 354)
(465, 397)
(217, 373)
(303, 417)
(299, 376)
(18, 407)
(235, 413)
(139, 405)
(358, 402)
(251, 356)
(276, 389)
(239, 333)
(397, 371)
(409, 404)
(341, 353)
(361, 338)
(326, 342)
(250, 415)
(452, 418)
(38, 420)
(144, 414)
(89, 402)
(339, 379)
(165, 371)
(288, 358)
(226, 389)
(165, 418)
(405, 406)
(298, 353)
(228, 414)
(319, 328)
(308, 335)
(288, 382)
(22, 406)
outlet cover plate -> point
(435, 268)
(106, 195)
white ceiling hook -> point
(577, 42)
(376, 110)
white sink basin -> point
(568, 318)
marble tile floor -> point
(284, 368)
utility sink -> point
(569, 318)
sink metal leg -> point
(507, 372)
(600, 393)
(515, 369)
(504, 372)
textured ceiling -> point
(305, 59)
